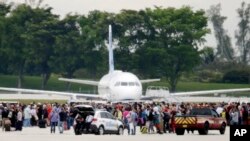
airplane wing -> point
(161, 92)
(222, 91)
(149, 80)
(87, 82)
(150, 97)
(44, 92)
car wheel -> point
(223, 128)
(204, 131)
(206, 126)
(101, 130)
(120, 131)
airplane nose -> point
(127, 93)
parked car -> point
(201, 119)
(102, 121)
(82, 111)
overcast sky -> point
(229, 7)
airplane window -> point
(137, 84)
(117, 84)
(124, 84)
(131, 83)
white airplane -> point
(114, 86)
(118, 85)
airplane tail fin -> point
(110, 49)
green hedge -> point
(237, 76)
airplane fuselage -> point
(118, 85)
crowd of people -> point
(157, 117)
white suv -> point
(104, 122)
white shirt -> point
(19, 116)
(219, 110)
(89, 118)
(27, 114)
(235, 116)
(33, 112)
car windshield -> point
(201, 111)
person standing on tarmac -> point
(19, 123)
(156, 119)
(62, 119)
(88, 121)
(79, 126)
(54, 117)
(132, 120)
(166, 119)
(125, 119)
(27, 116)
(72, 113)
(150, 118)
(118, 114)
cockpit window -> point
(124, 84)
(131, 83)
(117, 84)
(137, 84)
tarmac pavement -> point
(38, 134)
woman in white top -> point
(34, 117)
(19, 124)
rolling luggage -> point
(42, 123)
(7, 125)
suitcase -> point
(144, 129)
(42, 123)
(7, 125)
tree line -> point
(153, 42)
(228, 61)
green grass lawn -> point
(34, 82)
(196, 86)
